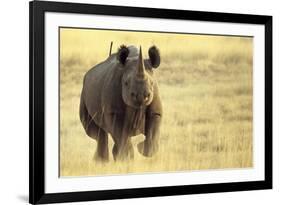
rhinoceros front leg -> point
(152, 131)
(123, 148)
(123, 151)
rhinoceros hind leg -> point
(102, 146)
(95, 132)
(152, 130)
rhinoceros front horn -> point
(140, 68)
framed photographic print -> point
(140, 102)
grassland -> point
(206, 89)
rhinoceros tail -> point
(110, 48)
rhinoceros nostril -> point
(146, 96)
(134, 96)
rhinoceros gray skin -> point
(120, 97)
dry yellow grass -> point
(206, 88)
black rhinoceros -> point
(120, 97)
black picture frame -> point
(37, 10)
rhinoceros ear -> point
(122, 54)
(154, 56)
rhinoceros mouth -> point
(140, 105)
(133, 103)
(137, 106)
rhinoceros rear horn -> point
(122, 54)
(154, 56)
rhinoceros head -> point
(137, 79)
